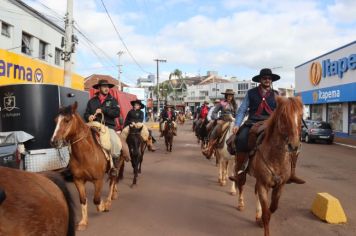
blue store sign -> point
(341, 93)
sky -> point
(233, 37)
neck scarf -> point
(102, 98)
(264, 105)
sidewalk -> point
(347, 141)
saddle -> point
(103, 135)
(255, 136)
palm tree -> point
(178, 75)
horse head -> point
(65, 125)
(287, 119)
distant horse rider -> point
(103, 105)
(135, 116)
(204, 110)
(259, 103)
(168, 114)
(228, 109)
(211, 122)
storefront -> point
(327, 85)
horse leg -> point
(171, 144)
(98, 185)
(276, 194)
(241, 203)
(258, 209)
(121, 171)
(230, 169)
(112, 185)
(220, 167)
(80, 185)
(224, 171)
(266, 213)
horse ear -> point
(74, 107)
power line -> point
(93, 44)
(121, 39)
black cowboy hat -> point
(265, 72)
(138, 101)
(229, 91)
(103, 82)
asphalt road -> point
(178, 194)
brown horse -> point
(168, 133)
(35, 204)
(181, 118)
(87, 160)
(271, 163)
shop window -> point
(335, 116)
(26, 43)
(317, 112)
(42, 50)
(353, 119)
(5, 29)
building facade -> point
(31, 47)
(327, 85)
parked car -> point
(317, 130)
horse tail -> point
(58, 180)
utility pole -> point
(68, 45)
(120, 54)
(158, 61)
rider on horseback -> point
(135, 115)
(168, 114)
(259, 103)
(103, 105)
(227, 108)
(211, 122)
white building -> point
(327, 85)
(197, 94)
(27, 32)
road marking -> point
(346, 145)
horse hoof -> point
(233, 193)
(240, 207)
(259, 222)
(81, 227)
(223, 183)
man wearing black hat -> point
(168, 114)
(103, 105)
(135, 116)
(258, 104)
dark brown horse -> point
(35, 204)
(168, 133)
(271, 164)
(87, 162)
(137, 148)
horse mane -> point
(281, 118)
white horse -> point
(226, 161)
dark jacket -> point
(165, 115)
(110, 108)
(255, 100)
(134, 116)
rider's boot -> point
(241, 163)
(293, 178)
